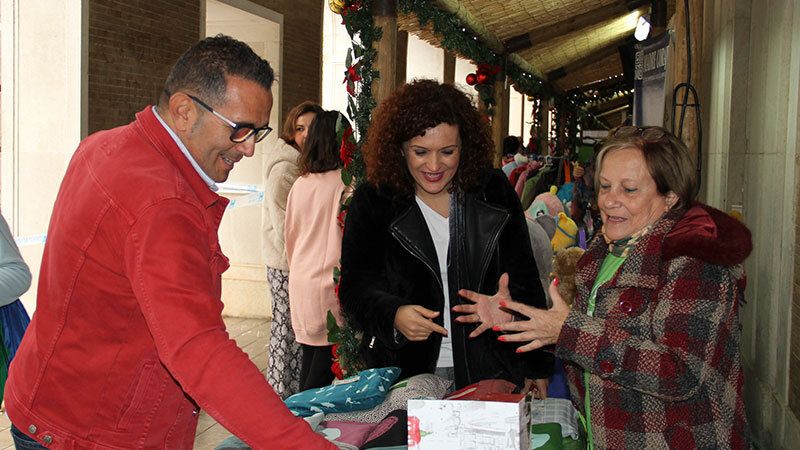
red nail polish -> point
(519, 350)
(496, 328)
(503, 303)
(501, 338)
(555, 282)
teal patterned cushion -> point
(362, 391)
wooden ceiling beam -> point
(595, 56)
(597, 85)
(612, 111)
(491, 41)
(543, 34)
(615, 102)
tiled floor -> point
(252, 335)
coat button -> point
(630, 302)
(606, 366)
(47, 439)
(32, 428)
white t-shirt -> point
(439, 228)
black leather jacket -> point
(389, 260)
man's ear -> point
(183, 111)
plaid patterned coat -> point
(663, 346)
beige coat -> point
(280, 172)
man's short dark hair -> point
(202, 69)
(511, 145)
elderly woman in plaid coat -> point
(651, 344)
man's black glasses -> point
(240, 133)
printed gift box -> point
(469, 424)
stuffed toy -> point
(548, 224)
(565, 194)
(564, 267)
(566, 233)
(542, 248)
(546, 203)
(579, 171)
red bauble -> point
(483, 78)
(472, 79)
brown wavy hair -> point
(287, 132)
(320, 153)
(668, 160)
(408, 112)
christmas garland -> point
(358, 77)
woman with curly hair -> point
(433, 218)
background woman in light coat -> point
(280, 172)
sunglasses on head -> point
(649, 134)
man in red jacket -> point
(127, 343)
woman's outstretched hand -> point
(486, 310)
(542, 327)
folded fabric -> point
(547, 436)
(487, 390)
(391, 431)
(426, 385)
(350, 433)
(359, 392)
(556, 410)
(234, 443)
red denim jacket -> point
(127, 342)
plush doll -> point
(578, 172)
(542, 248)
(564, 263)
(565, 194)
(566, 233)
(546, 203)
(548, 224)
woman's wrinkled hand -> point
(542, 327)
(416, 323)
(486, 310)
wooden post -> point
(677, 70)
(385, 13)
(402, 58)
(449, 72)
(544, 136)
(500, 118)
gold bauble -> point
(336, 6)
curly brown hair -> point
(408, 112)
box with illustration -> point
(469, 424)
